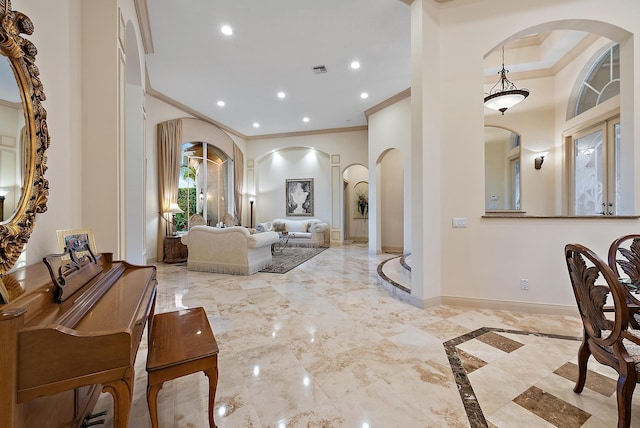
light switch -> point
(459, 222)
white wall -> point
(483, 264)
(392, 201)
(57, 36)
(294, 163)
(293, 157)
(390, 128)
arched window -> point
(594, 146)
(601, 82)
(205, 184)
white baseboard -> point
(534, 308)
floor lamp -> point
(251, 213)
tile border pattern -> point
(389, 280)
(470, 402)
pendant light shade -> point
(504, 94)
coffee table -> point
(282, 243)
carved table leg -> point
(212, 374)
(121, 394)
(152, 402)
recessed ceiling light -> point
(220, 103)
(281, 94)
(355, 65)
(305, 119)
(226, 30)
(256, 125)
(364, 95)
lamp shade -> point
(174, 208)
(504, 94)
(501, 101)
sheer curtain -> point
(238, 174)
(169, 146)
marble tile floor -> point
(325, 345)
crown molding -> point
(571, 55)
(10, 104)
(386, 103)
(142, 12)
(306, 133)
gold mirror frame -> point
(15, 232)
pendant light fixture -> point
(504, 94)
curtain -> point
(238, 175)
(169, 148)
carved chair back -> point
(624, 258)
(585, 268)
(608, 339)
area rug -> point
(290, 258)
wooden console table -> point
(174, 250)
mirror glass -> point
(12, 142)
(502, 169)
(24, 139)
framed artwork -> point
(76, 239)
(361, 200)
(299, 196)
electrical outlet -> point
(524, 284)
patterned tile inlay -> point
(456, 357)
(595, 381)
(551, 408)
(469, 362)
(502, 343)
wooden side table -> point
(174, 250)
(180, 343)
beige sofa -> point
(230, 250)
(308, 232)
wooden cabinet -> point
(174, 250)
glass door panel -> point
(590, 174)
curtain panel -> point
(169, 147)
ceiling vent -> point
(319, 69)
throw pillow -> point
(310, 225)
(278, 227)
(297, 226)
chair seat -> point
(632, 348)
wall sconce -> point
(537, 162)
(201, 196)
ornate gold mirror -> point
(30, 140)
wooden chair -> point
(610, 341)
(628, 248)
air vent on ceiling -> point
(319, 69)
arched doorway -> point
(356, 204)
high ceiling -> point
(274, 47)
